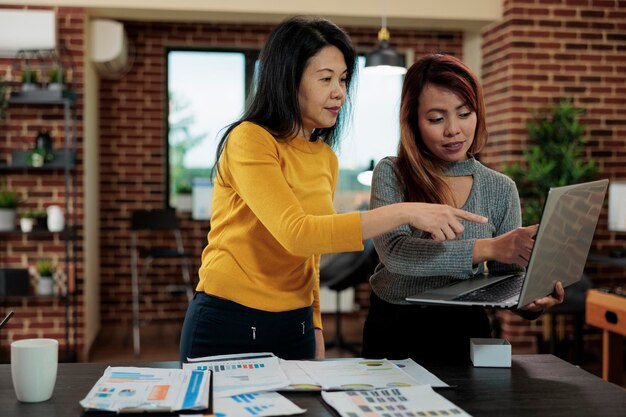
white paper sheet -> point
(355, 374)
(419, 373)
(260, 404)
(242, 374)
(132, 389)
(408, 402)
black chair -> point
(154, 223)
(342, 271)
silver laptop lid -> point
(568, 223)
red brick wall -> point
(133, 154)
(39, 317)
(542, 51)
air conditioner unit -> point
(109, 49)
(26, 30)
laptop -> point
(562, 243)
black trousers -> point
(215, 326)
(424, 334)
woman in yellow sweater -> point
(273, 204)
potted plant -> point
(554, 158)
(9, 201)
(56, 78)
(183, 197)
(41, 220)
(27, 220)
(45, 271)
(29, 79)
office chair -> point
(154, 222)
(340, 272)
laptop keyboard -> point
(500, 291)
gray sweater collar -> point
(461, 168)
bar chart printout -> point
(242, 374)
(416, 401)
(259, 404)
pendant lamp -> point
(384, 59)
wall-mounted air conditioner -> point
(26, 30)
(109, 49)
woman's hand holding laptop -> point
(557, 297)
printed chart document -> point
(419, 373)
(414, 401)
(355, 374)
(241, 374)
(131, 389)
(300, 380)
(261, 404)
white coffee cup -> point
(34, 368)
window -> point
(207, 90)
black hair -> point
(274, 103)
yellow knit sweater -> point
(272, 217)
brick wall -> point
(542, 51)
(39, 317)
(133, 154)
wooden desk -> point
(537, 385)
(608, 312)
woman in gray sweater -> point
(442, 125)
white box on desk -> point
(490, 352)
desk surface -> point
(537, 385)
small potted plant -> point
(183, 197)
(27, 221)
(9, 201)
(56, 78)
(45, 271)
(29, 79)
(41, 220)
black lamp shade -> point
(384, 55)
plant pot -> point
(41, 224)
(26, 224)
(55, 86)
(183, 202)
(45, 286)
(7, 219)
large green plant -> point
(554, 158)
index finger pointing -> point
(470, 216)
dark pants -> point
(425, 334)
(214, 326)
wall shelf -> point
(62, 158)
(63, 162)
(42, 96)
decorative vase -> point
(56, 221)
(7, 219)
(45, 286)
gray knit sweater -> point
(409, 263)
